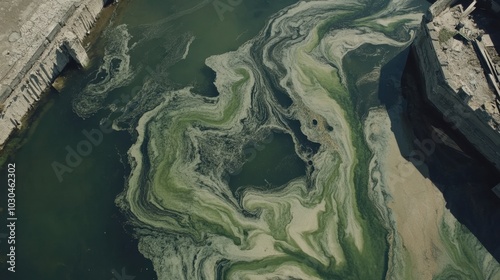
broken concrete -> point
(460, 75)
(38, 41)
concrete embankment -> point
(40, 39)
(460, 93)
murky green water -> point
(239, 149)
(73, 229)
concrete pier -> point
(38, 41)
(455, 80)
(75, 49)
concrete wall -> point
(437, 8)
(438, 92)
(24, 86)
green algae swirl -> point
(330, 221)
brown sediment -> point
(416, 205)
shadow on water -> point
(462, 174)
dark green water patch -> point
(210, 30)
(206, 86)
(70, 228)
(268, 166)
(280, 94)
(306, 146)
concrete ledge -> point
(437, 8)
(5, 91)
(470, 123)
(71, 11)
(46, 52)
(53, 30)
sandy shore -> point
(428, 238)
(418, 207)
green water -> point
(70, 229)
(191, 89)
(269, 164)
(73, 229)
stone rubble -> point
(459, 74)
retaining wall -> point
(473, 124)
(29, 78)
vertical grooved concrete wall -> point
(24, 85)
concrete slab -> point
(486, 39)
(32, 52)
(25, 25)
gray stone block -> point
(5, 91)
(67, 15)
(53, 31)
